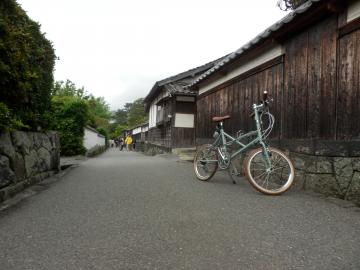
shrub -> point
(69, 117)
(8, 121)
(102, 131)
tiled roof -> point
(275, 27)
(180, 82)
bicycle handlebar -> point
(264, 102)
(265, 96)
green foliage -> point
(99, 107)
(27, 61)
(68, 88)
(120, 117)
(119, 131)
(69, 117)
(137, 114)
(72, 110)
(131, 115)
(8, 120)
(99, 112)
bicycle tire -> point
(205, 160)
(279, 161)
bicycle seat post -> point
(221, 125)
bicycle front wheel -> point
(205, 162)
(271, 181)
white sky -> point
(118, 49)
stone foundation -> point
(153, 149)
(26, 158)
(97, 150)
(331, 176)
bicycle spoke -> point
(278, 168)
(259, 176)
(266, 179)
(274, 181)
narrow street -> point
(124, 210)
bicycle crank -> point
(224, 159)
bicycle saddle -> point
(220, 118)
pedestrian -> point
(128, 142)
(134, 142)
(121, 144)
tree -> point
(69, 116)
(136, 114)
(120, 117)
(72, 110)
(27, 62)
(68, 88)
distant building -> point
(172, 109)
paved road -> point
(128, 211)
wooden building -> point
(309, 62)
(172, 110)
(140, 133)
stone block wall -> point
(331, 176)
(26, 158)
(332, 169)
(151, 149)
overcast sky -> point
(118, 49)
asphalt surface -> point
(124, 210)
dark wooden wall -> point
(309, 109)
(165, 134)
(183, 137)
(316, 89)
(236, 100)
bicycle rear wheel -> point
(275, 180)
(205, 162)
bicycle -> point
(268, 169)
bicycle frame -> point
(221, 140)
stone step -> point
(185, 153)
(186, 157)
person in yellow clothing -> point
(128, 142)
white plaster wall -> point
(353, 10)
(136, 130)
(261, 59)
(153, 109)
(152, 115)
(184, 120)
(144, 128)
(92, 139)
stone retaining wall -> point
(336, 176)
(26, 158)
(152, 149)
(331, 176)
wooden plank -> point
(345, 86)
(328, 79)
(295, 120)
(314, 78)
(355, 127)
